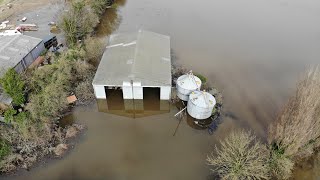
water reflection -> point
(120, 2)
(308, 169)
(134, 108)
(109, 22)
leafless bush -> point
(94, 49)
(280, 165)
(295, 134)
(78, 22)
(297, 126)
(26, 150)
(84, 92)
(241, 156)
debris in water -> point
(72, 132)
(51, 23)
(60, 149)
(72, 99)
(24, 19)
(9, 5)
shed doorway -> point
(114, 98)
(151, 98)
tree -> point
(78, 22)
(295, 133)
(280, 164)
(99, 6)
(241, 156)
(14, 86)
(49, 103)
(94, 48)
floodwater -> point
(252, 50)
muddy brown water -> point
(252, 50)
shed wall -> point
(30, 58)
(37, 50)
(100, 92)
(137, 90)
(19, 67)
(165, 92)
(127, 90)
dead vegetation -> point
(241, 156)
(295, 134)
(26, 150)
(94, 48)
(33, 132)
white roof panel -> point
(142, 57)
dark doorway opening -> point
(114, 98)
(151, 98)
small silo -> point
(186, 84)
(200, 105)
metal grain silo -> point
(186, 84)
(200, 104)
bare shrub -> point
(241, 156)
(94, 49)
(84, 92)
(297, 126)
(280, 165)
(26, 150)
(295, 134)
(78, 22)
(49, 103)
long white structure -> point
(200, 105)
(135, 61)
(186, 84)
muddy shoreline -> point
(50, 159)
(71, 142)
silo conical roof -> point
(202, 99)
(189, 81)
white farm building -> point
(134, 62)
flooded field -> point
(252, 50)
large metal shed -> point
(19, 51)
(133, 62)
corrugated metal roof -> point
(143, 56)
(14, 48)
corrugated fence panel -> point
(19, 67)
(28, 60)
(38, 50)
